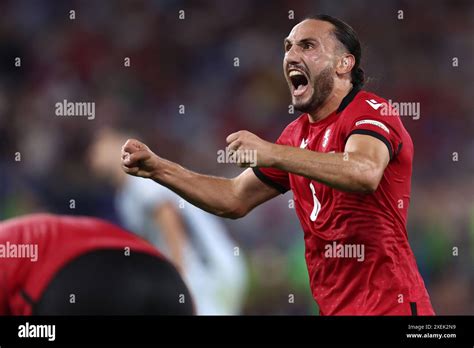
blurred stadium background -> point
(190, 62)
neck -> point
(331, 104)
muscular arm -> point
(230, 198)
(360, 168)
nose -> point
(292, 56)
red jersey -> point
(33, 248)
(357, 252)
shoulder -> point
(370, 108)
(370, 114)
(367, 103)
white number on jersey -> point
(317, 205)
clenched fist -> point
(250, 150)
(138, 159)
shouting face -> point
(310, 63)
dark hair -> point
(349, 39)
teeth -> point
(295, 73)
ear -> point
(345, 64)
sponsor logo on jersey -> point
(304, 143)
(373, 103)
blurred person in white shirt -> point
(195, 241)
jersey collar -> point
(347, 99)
(335, 114)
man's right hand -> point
(138, 159)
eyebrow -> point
(305, 40)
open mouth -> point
(299, 82)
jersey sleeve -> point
(372, 122)
(273, 177)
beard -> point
(322, 88)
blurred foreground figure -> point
(62, 265)
(195, 241)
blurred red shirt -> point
(57, 240)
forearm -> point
(212, 194)
(346, 171)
